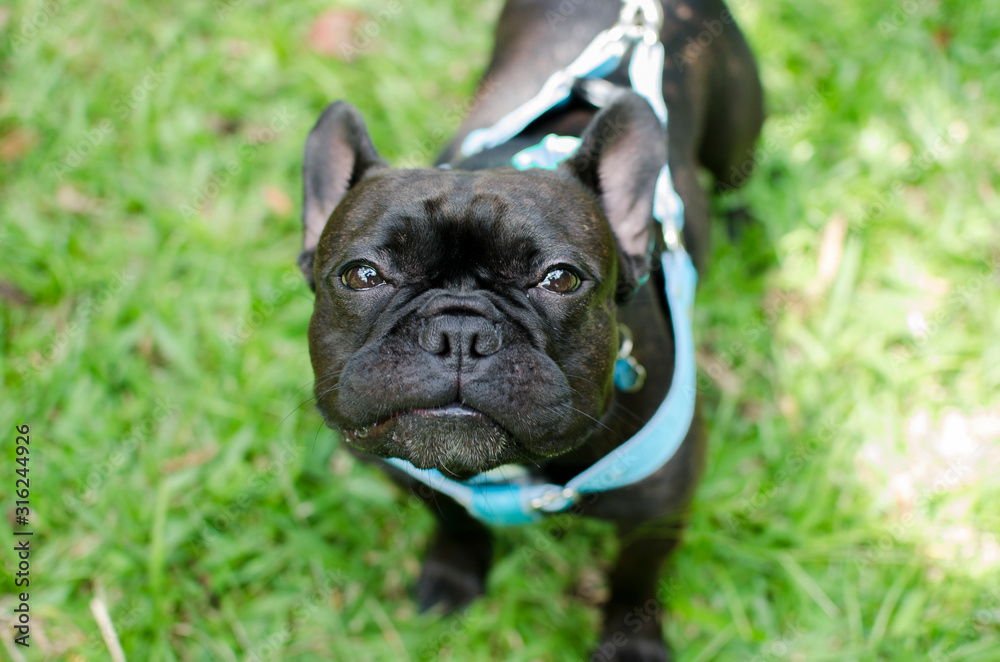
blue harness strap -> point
(507, 495)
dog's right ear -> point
(619, 159)
(339, 153)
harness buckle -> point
(561, 497)
(640, 18)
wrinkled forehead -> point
(499, 220)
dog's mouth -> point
(455, 410)
(456, 439)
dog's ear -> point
(339, 153)
(619, 158)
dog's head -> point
(466, 319)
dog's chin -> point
(456, 440)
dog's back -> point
(710, 85)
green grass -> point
(153, 330)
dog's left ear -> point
(619, 158)
(339, 153)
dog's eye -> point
(560, 281)
(362, 277)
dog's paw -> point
(633, 649)
(454, 573)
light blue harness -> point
(507, 495)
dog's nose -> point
(462, 326)
(460, 336)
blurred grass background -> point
(153, 329)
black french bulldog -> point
(467, 318)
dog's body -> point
(467, 318)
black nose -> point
(460, 336)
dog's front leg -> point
(633, 614)
(457, 559)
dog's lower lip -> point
(456, 409)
